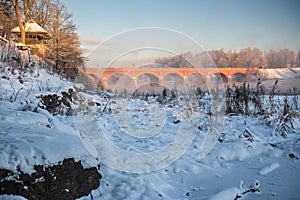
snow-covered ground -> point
(31, 135)
(281, 73)
(251, 155)
(288, 79)
(218, 176)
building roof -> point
(31, 27)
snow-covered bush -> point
(57, 104)
(9, 54)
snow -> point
(30, 135)
(11, 197)
(30, 26)
(228, 194)
(282, 73)
(269, 168)
(26, 140)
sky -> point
(214, 24)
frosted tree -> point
(280, 59)
(271, 59)
(65, 48)
(246, 57)
(298, 59)
(257, 59)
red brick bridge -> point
(127, 78)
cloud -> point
(88, 41)
(88, 44)
(92, 45)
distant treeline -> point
(246, 58)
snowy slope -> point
(282, 73)
(29, 134)
(33, 138)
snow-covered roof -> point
(20, 44)
(31, 27)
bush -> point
(57, 104)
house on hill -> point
(36, 38)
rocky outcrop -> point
(67, 180)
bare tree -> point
(7, 21)
(231, 55)
(280, 59)
(257, 58)
(272, 59)
(21, 8)
(298, 59)
(41, 13)
(242, 59)
(247, 58)
(65, 48)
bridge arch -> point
(120, 82)
(94, 77)
(239, 77)
(147, 79)
(197, 80)
(173, 80)
(219, 78)
(96, 80)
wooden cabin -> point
(36, 38)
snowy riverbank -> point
(261, 147)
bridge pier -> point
(229, 78)
(186, 81)
(134, 79)
(208, 80)
(161, 81)
(104, 82)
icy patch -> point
(11, 197)
(236, 193)
(228, 194)
(269, 169)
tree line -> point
(65, 53)
(246, 58)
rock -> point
(68, 180)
